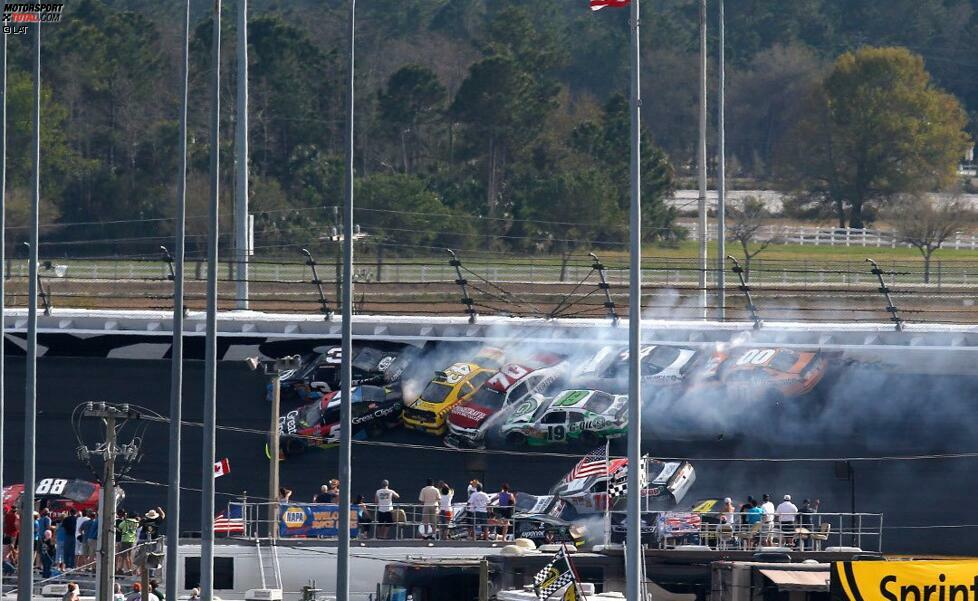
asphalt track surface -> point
(904, 415)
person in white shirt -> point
(429, 497)
(767, 521)
(445, 508)
(384, 497)
(727, 512)
(80, 557)
(787, 513)
(479, 507)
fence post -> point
(848, 235)
(938, 275)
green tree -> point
(875, 127)
(413, 99)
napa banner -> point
(904, 581)
(313, 519)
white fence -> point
(807, 235)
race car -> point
(770, 373)
(588, 416)
(471, 421)
(319, 373)
(665, 484)
(59, 495)
(660, 365)
(429, 412)
(374, 408)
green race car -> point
(587, 416)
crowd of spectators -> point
(67, 541)
(770, 523)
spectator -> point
(69, 525)
(284, 495)
(11, 530)
(59, 547)
(154, 587)
(479, 507)
(767, 527)
(429, 497)
(91, 538)
(473, 485)
(41, 525)
(384, 497)
(754, 513)
(745, 510)
(727, 512)
(324, 495)
(152, 523)
(363, 516)
(46, 552)
(786, 513)
(806, 515)
(334, 489)
(117, 593)
(195, 593)
(72, 593)
(127, 528)
(506, 501)
(445, 495)
(80, 522)
(136, 594)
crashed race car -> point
(773, 374)
(586, 416)
(319, 373)
(59, 495)
(660, 366)
(374, 409)
(471, 422)
(429, 412)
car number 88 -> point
(51, 486)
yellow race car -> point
(429, 413)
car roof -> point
(584, 395)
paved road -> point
(866, 414)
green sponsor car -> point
(587, 416)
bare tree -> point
(745, 225)
(926, 223)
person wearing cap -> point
(787, 513)
(727, 511)
(767, 522)
(152, 523)
(384, 498)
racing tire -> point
(515, 439)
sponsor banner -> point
(904, 581)
(313, 519)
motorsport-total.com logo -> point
(18, 15)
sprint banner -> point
(904, 581)
(313, 519)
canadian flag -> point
(599, 4)
(222, 468)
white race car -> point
(661, 365)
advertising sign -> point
(313, 519)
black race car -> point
(319, 373)
(375, 408)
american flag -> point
(230, 521)
(595, 463)
(599, 4)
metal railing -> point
(753, 532)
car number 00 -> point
(51, 486)
(756, 357)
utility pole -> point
(701, 162)
(108, 451)
(241, 237)
(721, 169)
(3, 211)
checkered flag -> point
(618, 485)
(554, 576)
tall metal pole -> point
(346, 367)
(210, 347)
(721, 169)
(701, 162)
(273, 451)
(25, 580)
(633, 520)
(176, 354)
(241, 162)
(3, 242)
(106, 526)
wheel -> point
(515, 439)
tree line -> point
(487, 124)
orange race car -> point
(774, 373)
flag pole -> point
(702, 233)
(721, 168)
(633, 520)
(607, 495)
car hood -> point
(469, 415)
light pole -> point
(273, 368)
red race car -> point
(59, 494)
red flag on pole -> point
(599, 4)
(222, 468)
